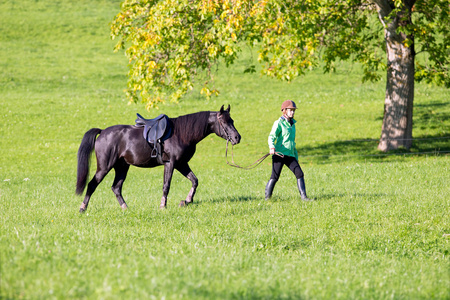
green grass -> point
(378, 230)
(374, 233)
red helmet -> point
(288, 104)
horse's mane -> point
(192, 126)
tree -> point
(173, 43)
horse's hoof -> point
(162, 207)
(83, 208)
(182, 204)
(124, 206)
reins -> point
(233, 164)
(251, 166)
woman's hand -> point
(272, 151)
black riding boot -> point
(302, 189)
(269, 188)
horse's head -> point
(225, 128)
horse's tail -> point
(84, 156)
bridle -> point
(219, 118)
(233, 164)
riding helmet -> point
(288, 104)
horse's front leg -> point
(168, 172)
(187, 172)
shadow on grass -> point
(318, 198)
(342, 196)
(433, 116)
(236, 198)
(366, 150)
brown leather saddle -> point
(156, 131)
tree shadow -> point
(433, 117)
(432, 104)
(366, 150)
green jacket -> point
(282, 137)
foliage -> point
(432, 16)
(172, 42)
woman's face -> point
(289, 112)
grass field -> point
(379, 228)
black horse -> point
(117, 147)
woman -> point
(282, 144)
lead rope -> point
(251, 166)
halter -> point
(223, 128)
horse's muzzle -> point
(235, 139)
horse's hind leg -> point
(168, 172)
(98, 177)
(121, 174)
(187, 172)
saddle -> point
(156, 131)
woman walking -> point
(282, 141)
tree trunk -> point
(397, 125)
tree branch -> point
(384, 9)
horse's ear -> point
(221, 110)
(228, 109)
